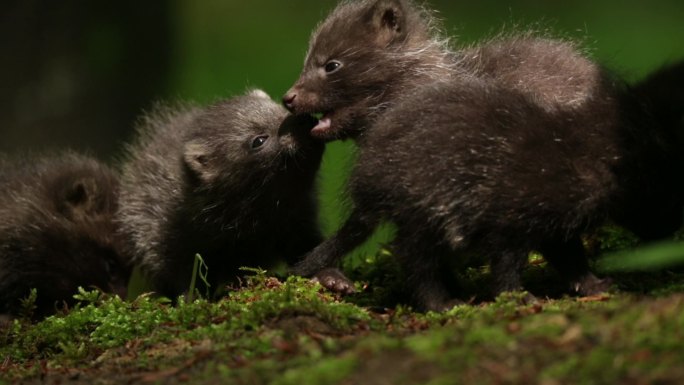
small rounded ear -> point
(196, 157)
(387, 20)
(79, 197)
(77, 194)
(83, 194)
(259, 93)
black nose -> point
(288, 100)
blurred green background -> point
(77, 73)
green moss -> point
(100, 322)
(292, 331)
(323, 372)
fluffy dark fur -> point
(57, 231)
(518, 144)
(233, 182)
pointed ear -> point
(387, 18)
(196, 157)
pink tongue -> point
(322, 126)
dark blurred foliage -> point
(76, 73)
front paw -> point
(334, 280)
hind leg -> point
(421, 259)
(507, 267)
(570, 260)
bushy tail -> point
(663, 92)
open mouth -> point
(324, 123)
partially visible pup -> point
(57, 231)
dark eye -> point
(332, 66)
(259, 141)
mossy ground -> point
(290, 331)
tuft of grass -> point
(28, 304)
(201, 270)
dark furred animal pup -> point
(233, 182)
(517, 144)
(57, 231)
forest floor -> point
(291, 331)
